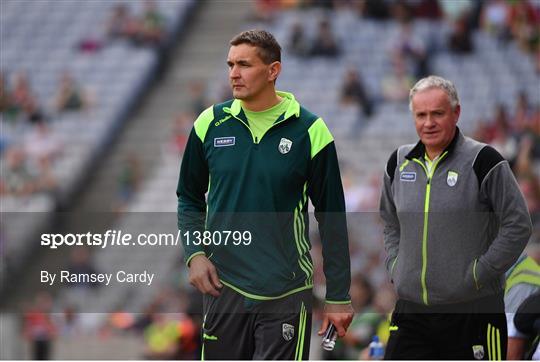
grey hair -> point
(434, 81)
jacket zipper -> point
(429, 176)
(253, 137)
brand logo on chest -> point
(224, 141)
(408, 176)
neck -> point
(433, 153)
(262, 102)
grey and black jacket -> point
(450, 235)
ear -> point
(457, 112)
(273, 71)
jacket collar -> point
(420, 149)
(294, 107)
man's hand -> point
(340, 315)
(203, 275)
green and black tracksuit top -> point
(452, 231)
(262, 186)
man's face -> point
(434, 118)
(248, 75)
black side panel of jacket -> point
(326, 193)
(191, 200)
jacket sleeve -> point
(326, 193)
(387, 209)
(527, 317)
(192, 186)
(499, 186)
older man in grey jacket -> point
(454, 222)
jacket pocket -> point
(393, 266)
(471, 277)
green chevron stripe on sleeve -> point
(302, 245)
(202, 123)
(297, 237)
(319, 136)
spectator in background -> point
(42, 145)
(121, 25)
(22, 176)
(527, 322)
(7, 108)
(17, 178)
(325, 44)
(534, 127)
(481, 132)
(149, 29)
(4, 94)
(353, 92)
(524, 22)
(151, 26)
(453, 10)
(500, 135)
(366, 320)
(265, 10)
(459, 40)
(494, 19)
(401, 12)
(372, 9)
(427, 9)
(162, 338)
(298, 44)
(181, 128)
(396, 85)
(523, 115)
(33, 113)
(528, 181)
(39, 328)
(411, 50)
(128, 182)
(523, 280)
(70, 96)
(22, 93)
(383, 305)
(197, 97)
(23, 100)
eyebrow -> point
(437, 110)
(240, 62)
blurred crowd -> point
(140, 30)
(30, 149)
(29, 146)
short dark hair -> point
(269, 48)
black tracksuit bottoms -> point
(474, 330)
(239, 328)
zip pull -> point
(256, 140)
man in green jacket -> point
(259, 157)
